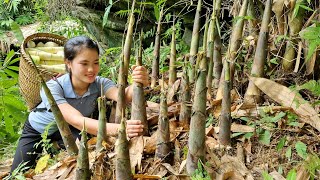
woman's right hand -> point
(134, 128)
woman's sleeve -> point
(56, 91)
(106, 84)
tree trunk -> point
(198, 120)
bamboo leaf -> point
(8, 123)
(289, 153)
(301, 149)
(156, 12)
(106, 15)
(312, 48)
(281, 143)
(11, 73)
(265, 137)
(306, 7)
(15, 68)
(292, 175)
(14, 60)
(8, 58)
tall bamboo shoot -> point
(198, 120)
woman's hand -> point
(134, 128)
(140, 75)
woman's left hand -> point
(140, 75)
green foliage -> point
(312, 85)
(106, 13)
(266, 176)
(289, 153)
(200, 173)
(301, 149)
(17, 174)
(12, 109)
(312, 164)
(292, 175)
(312, 36)
(281, 143)
(300, 4)
(209, 120)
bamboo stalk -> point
(198, 120)
(63, 126)
(295, 25)
(185, 109)
(102, 135)
(195, 41)
(121, 93)
(173, 58)
(123, 169)
(253, 20)
(138, 110)
(234, 45)
(83, 171)
(252, 95)
(215, 65)
(156, 53)
(278, 8)
(225, 117)
(128, 42)
(163, 140)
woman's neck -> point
(80, 88)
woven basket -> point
(28, 78)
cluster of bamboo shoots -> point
(211, 76)
(49, 55)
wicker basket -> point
(28, 79)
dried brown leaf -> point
(289, 98)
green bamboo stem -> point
(128, 42)
(196, 141)
(83, 171)
(278, 8)
(138, 110)
(253, 20)
(252, 95)
(63, 126)
(215, 64)
(123, 169)
(234, 45)
(156, 53)
(185, 109)
(121, 94)
(163, 140)
(102, 135)
(225, 117)
(173, 58)
(295, 25)
(195, 41)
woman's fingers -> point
(134, 128)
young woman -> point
(76, 94)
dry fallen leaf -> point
(136, 151)
(289, 98)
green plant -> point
(17, 174)
(312, 164)
(200, 173)
(311, 35)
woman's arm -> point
(76, 119)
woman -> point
(75, 94)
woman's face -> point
(84, 67)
